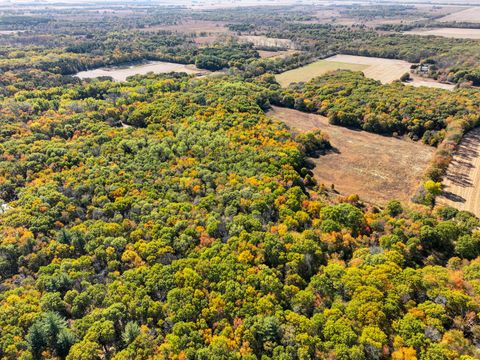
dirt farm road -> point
(461, 186)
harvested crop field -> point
(308, 72)
(384, 70)
(461, 186)
(471, 14)
(457, 33)
(372, 166)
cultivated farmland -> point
(375, 167)
(457, 33)
(385, 70)
(461, 186)
(468, 15)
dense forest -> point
(167, 217)
(195, 231)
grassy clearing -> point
(308, 72)
(377, 168)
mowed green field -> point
(320, 67)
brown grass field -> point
(467, 15)
(374, 167)
(457, 33)
(461, 186)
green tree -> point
(132, 330)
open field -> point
(468, 15)
(308, 72)
(384, 70)
(457, 33)
(461, 186)
(375, 167)
(121, 73)
(388, 70)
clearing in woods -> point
(461, 186)
(375, 167)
